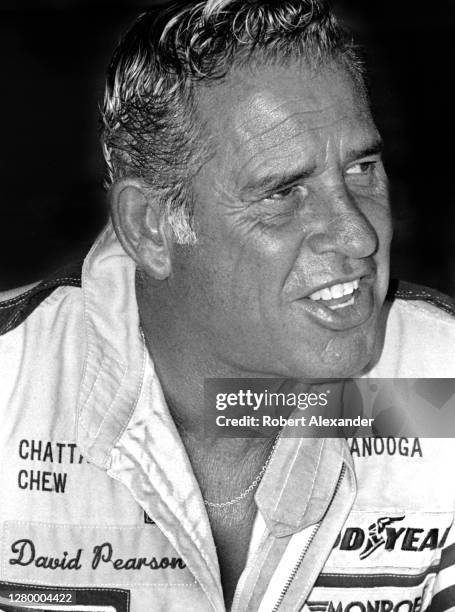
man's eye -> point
(361, 168)
(284, 193)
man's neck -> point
(182, 355)
(182, 362)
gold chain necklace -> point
(250, 488)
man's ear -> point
(141, 227)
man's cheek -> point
(377, 211)
(262, 260)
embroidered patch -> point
(54, 554)
(349, 598)
(410, 540)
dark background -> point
(53, 56)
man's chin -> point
(346, 357)
(342, 356)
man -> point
(250, 238)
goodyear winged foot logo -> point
(389, 533)
(376, 535)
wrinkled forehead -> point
(276, 109)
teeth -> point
(336, 291)
(337, 306)
(326, 294)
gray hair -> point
(151, 129)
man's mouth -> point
(343, 303)
(337, 296)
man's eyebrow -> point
(375, 148)
(275, 181)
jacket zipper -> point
(305, 549)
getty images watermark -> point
(347, 408)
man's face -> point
(292, 218)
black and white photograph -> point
(227, 306)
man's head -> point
(152, 128)
(247, 176)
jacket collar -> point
(115, 356)
(300, 482)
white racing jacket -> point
(100, 509)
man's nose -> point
(345, 228)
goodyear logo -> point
(387, 533)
